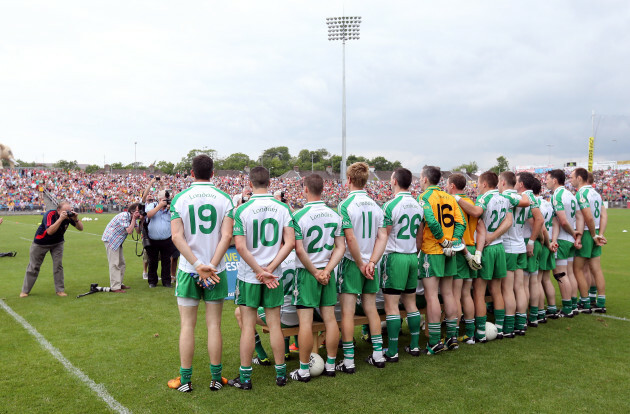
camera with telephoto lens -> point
(71, 214)
(167, 196)
(141, 209)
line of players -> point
(461, 244)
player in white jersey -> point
(319, 246)
(564, 237)
(527, 185)
(366, 238)
(515, 259)
(591, 205)
(264, 236)
(547, 265)
(201, 227)
(399, 267)
(495, 211)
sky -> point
(438, 83)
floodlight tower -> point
(344, 29)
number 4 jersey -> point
(262, 221)
(404, 214)
(201, 207)
(317, 225)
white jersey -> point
(563, 200)
(318, 225)
(202, 208)
(288, 312)
(261, 220)
(495, 208)
(404, 214)
(547, 211)
(361, 214)
(587, 197)
(533, 204)
(513, 241)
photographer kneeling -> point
(159, 236)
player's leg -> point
(434, 315)
(332, 338)
(479, 298)
(457, 295)
(583, 286)
(214, 310)
(393, 321)
(248, 331)
(188, 320)
(348, 305)
(277, 342)
(368, 301)
(521, 302)
(590, 281)
(413, 321)
(574, 284)
(450, 311)
(468, 308)
(564, 285)
(507, 290)
(305, 338)
(534, 297)
(598, 275)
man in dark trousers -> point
(160, 240)
(49, 238)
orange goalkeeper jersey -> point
(471, 227)
(443, 219)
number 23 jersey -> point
(201, 207)
(317, 226)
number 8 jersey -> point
(262, 221)
(201, 207)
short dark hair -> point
(558, 175)
(202, 166)
(459, 180)
(591, 178)
(133, 207)
(259, 176)
(582, 173)
(403, 177)
(489, 178)
(536, 186)
(527, 179)
(432, 173)
(315, 184)
(509, 177)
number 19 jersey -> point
(404, 214)
(262, 221)
(201, 207)
(361, 214)
(317, 225)
(563, 200)
(495, 208)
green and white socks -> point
(377, 347)
(413, 320)
(393, 328)
(348, 354)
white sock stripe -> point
(99, 389)
(413, 314)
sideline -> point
(99, 389)
(605, 315)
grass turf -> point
(129, 343)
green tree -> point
(237, 161)
(502, 165)
(92, 168)
(166, 167)
(335, 162)
(21, 163)
(469, 168)
(135, 166)
(277, 160)
(185, 165)
(383, 164)
(117, 166)
(66, 165)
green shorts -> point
(187, 287)
(312, 294)
(547, 259)
(438, 265)
(257, 295)
(533, 262)
(399, 271)
(565, 250)
(589, 248)
(493, 263)
(262, 316)
(351, 280)
(463, 270)
(515, 261)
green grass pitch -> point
(129, 344)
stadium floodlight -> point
(343, 28)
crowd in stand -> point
(22, 189)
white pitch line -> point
(99, 389)
(618, 318)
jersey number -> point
(521, 217)
(495, 219)
(206, 213)
(444, 217)
(411, 225)
(596, 212)
(573, 207)
(369, 219)
(316, 229)
(260, 233)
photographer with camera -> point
(114, 236)
(49, 238)
(160, 247)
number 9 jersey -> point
(201, 207)
(404, 214)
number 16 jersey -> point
(201, 207)
(262, 221)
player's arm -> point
(224, 244)
(564, 223)
(589, 221)
(579, 225)
(460, 223)
(524, 202)
(335, 258)
(536, 224)
(377, 253)
(179, 240)
(288, 238)
(419, 236)
(502, 229)
(241, 247)
(300, 251)
(603, 221)
(353, 247)
(469, 208)
(480, 235)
